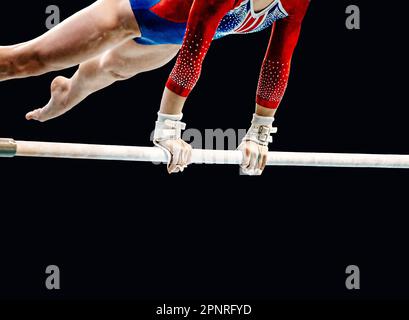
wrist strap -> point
(261, 130)
(168, 127)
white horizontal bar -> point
(154, 154)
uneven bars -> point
(12, 148)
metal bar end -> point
(8, 148)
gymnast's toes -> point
(35, 115)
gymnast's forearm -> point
(172, 103)
(265, 112)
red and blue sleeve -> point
(204, 19)
(275, 70)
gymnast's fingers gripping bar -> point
(11, 148)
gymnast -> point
(113, 40)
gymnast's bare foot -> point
(58, 104)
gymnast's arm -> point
(272, 85)
(275, 69)
(204, 18)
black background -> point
(128, 230)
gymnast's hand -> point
(255, 145)
(180, 154)
(168, 132)
(254, 158)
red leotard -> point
(204, 19)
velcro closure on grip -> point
(261, 130)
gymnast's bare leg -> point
(119, 63)
(93, 30)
